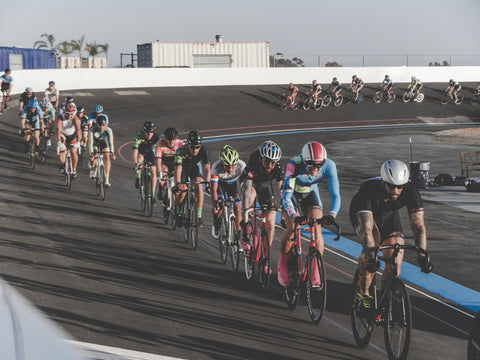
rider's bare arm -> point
(366, 224)
(417, 224)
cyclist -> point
(374, 214)
(291, 94)
(335, 88)
(192, 162)
(7, 85)
(165, 154)
(416, 85)
(356, 86)
(301, 195)
(83, 124)
(453, 88)
(48, 119)
(143, 148)
(263, 179)
(52, 93)
(32, 118)
(226, 179)
(68, 134)
(386, 85)
(97, 111)
(315, 90)
(25, 97)
(68, 100)
(100, 139)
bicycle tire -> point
(142, 190)
(283, 105)
(420, 97)
(264, 261)
(475, 99)
(362, 327)
(148, 194)
(406, 97)
(33, 149)
(249, 264)
(193, 229)
(392, 97)
(307, 104)
(459, 99)
(234, 245)
(445, 100)
(338, 101)
(318, 105)
(377, 97)
(80, 155)
(166, 204)
(223, 238)
(327, 99)
(292, 292)
(398, 322)
(101, 183)
(316, 294)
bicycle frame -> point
(227, 239)
(189, 205)
(100, 176)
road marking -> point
(131, 92)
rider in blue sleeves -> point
(300, 194)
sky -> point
(345, 29)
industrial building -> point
(16, 58)
(215, 54)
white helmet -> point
(394, 172)
(271, 151)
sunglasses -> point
(311, 164)
(392, 186)
(195, 146)
(149, 132)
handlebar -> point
(396, 248)
(303, 220)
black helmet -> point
(80, 109)
(171, 133)
(194, 138)
(51, 82)
(149, 126)
(101, 120)
(69, 99)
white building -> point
(206, 54)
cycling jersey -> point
(372, 196)
(387, 83)
(298, 184)
(143, 145)
(67, 127)
(52, 95)
(100, 140)
(84, 122)
(24, 98)
(31, 117)
(316, 88)
(6, 81)
(168, 153)
(357, 82)
(49, 114)
(191, 164)
(219, 175)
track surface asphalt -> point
(110, 276)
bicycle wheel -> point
(101, 182)
(193, 228)
(284, 105)
(143, 192)
(148, 193)
(398, 322)
(445, 99)
(307, 104)
(392, 97)
(81, 150)
(292, 292)
(459, 99)
(318, 105)
(68, 174)
(338, 101)
(362, 326)
(32, 153)
(233, 242)
(475, 99)
(166, 208)
(264, 262)
(327, 99)
(316, 286)
(406, 97)
(420, 97)
(377, 97)
(249, 265)
(223, 238)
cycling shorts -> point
(231, 190)
(266, 195)
(71, 140)
(192, 172)
(305, 202)
(33, 124)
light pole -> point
(275, 59)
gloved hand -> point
(425, 264)
(175, 189)
(372, 265)
(328, 220)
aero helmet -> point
(46, 103)
(149, 126)
(70, 108)
(171, 133)
(194, 138)
(98, 109)
(314, 153)
(33, 103)
(101, 120)
(228, 156)
(394, 172)
(271, 151)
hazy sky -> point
(303, 28)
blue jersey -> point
(3, 78)
(297, 180)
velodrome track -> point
(110, 276)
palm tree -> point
(77, 45)
(93, 49)
(48, 43)
(65, 48)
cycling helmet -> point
(414, 78)
(46, 103)
(101, 120)
(271, 151)
(194, 138)
(69, 99)
(51, 83)
(334, 79)
(148, 126)
(70, 108)
(80, 109)
(98, 109)
(394, 172)
(228, 156)
(29, 90)
(291, 85)
(33, 103)
(171, 133)
(354, 77)
(314, 153)
(387, 76)
(451, 81)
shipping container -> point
(23, 59)
(208, 54)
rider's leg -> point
(74, 155)
(199, 196)
(388, 253)
(107, 163)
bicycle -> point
(259, 251)
(3, 98)
(448, 97)
(81, 154)
(42, 149)
(475, 97)
(301, 276)
(351, 96)
(287, 104)
(391, 308)
(68, 170)
(168, 200)
(227, 237)
(331, 97)
(145, 189)
(411, 95)
(310, 102)
(100, 176)
(31, 147)
(383, 94)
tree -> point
(48, 43)
(65, 48)
(77, 45)
(93, 49)
(104, 48)
(333, 64)
(295, 62)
